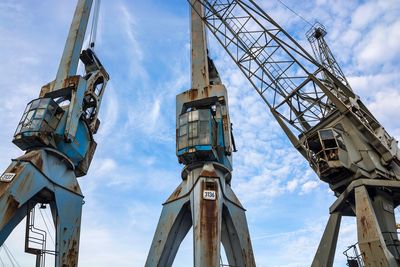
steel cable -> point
(294, 12)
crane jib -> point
(284, 74)
(328, 124)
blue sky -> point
(144, 45)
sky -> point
(145, 47)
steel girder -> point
(214, 221)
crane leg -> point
(205, 201)
(235, 236)
(16, 193)
(27, 182)
(370, 238)
(326, 250)
(175, 222)
(67, 211)
(207, 220)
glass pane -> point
(25, 128)
(40, 113)
(314, 144)
(48, 116)
(204, 115)
(193, 129)
(182, 142)
(183, 119)
(194, 115)
(18, 128)
(51, 109)
(29, 116)
(53, 123)
(98, 88)
(23, 117)
(204, 133)
(27, 108)
(330, 143)
(44, 102)
(340, 142)
(326, 134)
(35, 104)
(36, 125)
(183, 130)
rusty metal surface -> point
(206, 226)
(327, 247)
(56, 154)
(11, 207)
(199, 61)
(235, 236)
(71, 258)
(371, 242)
(207, 174)
(175, 221)
(68, 209)
(84, 165)
(43, 177)
(207, 217)
(73, 46)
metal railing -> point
(354, 258)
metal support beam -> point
(175, 222)
(206, 219)
(204, 199)
(60, 146)
(235, 236)
(42, 176)
(68, 210)
(370, 239)
(326, 250)
(200, 73)
(73, 46)
(214, 218)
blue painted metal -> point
(212, 100)
(57, 132)
(204, 199)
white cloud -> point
(309, 186)
(365, 14)
(380, 46)
(133, 172)
(129, 27)
(292, 185)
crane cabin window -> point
(328, 139)
(41, 116)
(194, 128)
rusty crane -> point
(323, 118)
(325, 121)
(57, 132)
(205, 145)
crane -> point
(57, 132)
(323, 54)
(324, 120)
(204, 199)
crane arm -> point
(73, 46)
(289, 80)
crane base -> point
(41, 176)
(205, 201)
